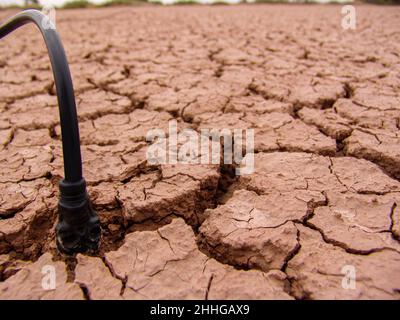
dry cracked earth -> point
(325, 192)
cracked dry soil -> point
(325, 193)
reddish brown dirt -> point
(325, 106)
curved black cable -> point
(63, 82)
(78, 228)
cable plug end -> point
(78, 228)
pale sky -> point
(43, 2)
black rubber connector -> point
(78, 228)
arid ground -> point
(319, 217)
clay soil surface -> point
(321, 208)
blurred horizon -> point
(60, 3)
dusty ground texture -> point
(324, 196)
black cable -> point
(78, 227)
(65, 90)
